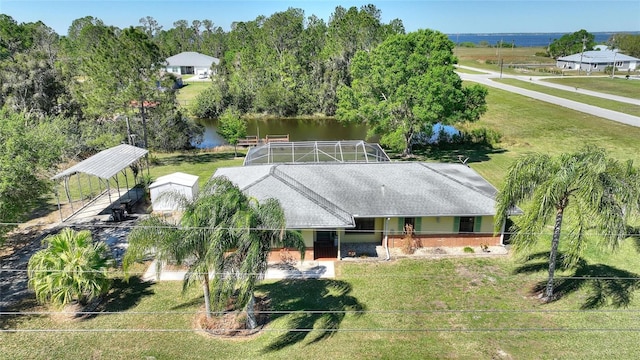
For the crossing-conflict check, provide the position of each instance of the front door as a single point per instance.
(324, 245)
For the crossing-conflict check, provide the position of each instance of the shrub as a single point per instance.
(71, 268)
(410, 243)
(480, 136)
(468, 249)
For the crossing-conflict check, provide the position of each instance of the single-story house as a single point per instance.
(191, 62)
(598, 60)
(178, 182)
(338, 207)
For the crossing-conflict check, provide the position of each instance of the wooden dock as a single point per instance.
(255, 141)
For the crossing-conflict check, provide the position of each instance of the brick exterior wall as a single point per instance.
(280, 255)
(452, 240)
(397, 241)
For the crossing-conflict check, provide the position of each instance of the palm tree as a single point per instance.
(200, 239)
(71, 268)
(221, 231)
(263, 228)
(598, 193)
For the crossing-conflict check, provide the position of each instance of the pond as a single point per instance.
(297, 129)
(304, 130)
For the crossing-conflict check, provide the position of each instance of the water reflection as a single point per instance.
(297, 129)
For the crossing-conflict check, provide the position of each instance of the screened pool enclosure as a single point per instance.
(348, 151)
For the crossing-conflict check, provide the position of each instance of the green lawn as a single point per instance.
(572, 95)
(528, 125)
(419, 309)
(200, 163)
(189, 91)
(489, 59)
(617, 86)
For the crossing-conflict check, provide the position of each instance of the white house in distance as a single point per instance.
(178, 182)
(598, 60)
(191, 63)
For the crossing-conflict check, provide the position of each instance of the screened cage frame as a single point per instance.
(343, 151)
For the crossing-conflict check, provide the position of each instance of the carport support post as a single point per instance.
(118, 185)
(126, 181)
(58, 199)
(80, 188)
(68, 192)
(90, 187)
(339, 240)
(109, 191)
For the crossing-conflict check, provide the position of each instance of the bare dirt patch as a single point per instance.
(233, 324)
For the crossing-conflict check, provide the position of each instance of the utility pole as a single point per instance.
(500, 57)
(613, 69)
(584, 45)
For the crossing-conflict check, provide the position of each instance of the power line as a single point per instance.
(331, 330)
(205, 228)
(350, 276)
(359, 312)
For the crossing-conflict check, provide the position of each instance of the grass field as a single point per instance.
(200, 163)
(188, 93)
(572, 95)
(416, 309)
(617, 86)
(488, 59)
(528, 125)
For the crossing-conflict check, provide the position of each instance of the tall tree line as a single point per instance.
(105, 82)
(285, 64)
(68, 97)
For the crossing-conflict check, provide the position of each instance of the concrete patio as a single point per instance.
(276, 271)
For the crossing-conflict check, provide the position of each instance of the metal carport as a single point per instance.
(103, 165)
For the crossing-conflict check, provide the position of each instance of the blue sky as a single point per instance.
(453, 16)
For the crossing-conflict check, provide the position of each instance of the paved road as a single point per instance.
(486, 79)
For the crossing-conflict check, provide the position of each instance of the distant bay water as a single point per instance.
(525, 39)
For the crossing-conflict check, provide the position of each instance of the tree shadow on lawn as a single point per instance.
(327, 303)
(15, 313)
(122, 296)
(452, 153)
(195, 158)
(125, 294)
(611, 286)
(197, 301)
(634, 234)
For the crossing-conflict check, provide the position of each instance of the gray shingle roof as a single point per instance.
(106, 163)
(192, 58)
(330, 195)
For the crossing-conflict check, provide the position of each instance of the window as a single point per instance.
(466, 225)
(409, 221)
(363, 226)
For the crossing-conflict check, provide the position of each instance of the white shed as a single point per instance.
(182, 183)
